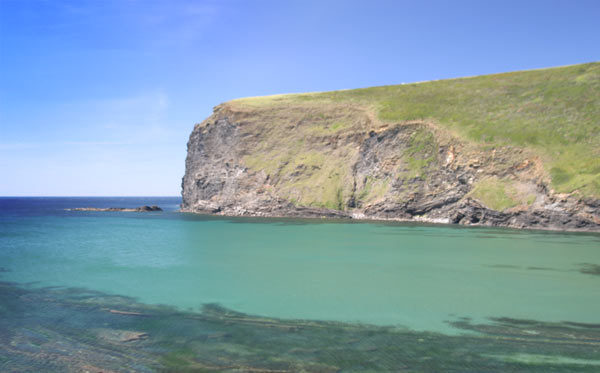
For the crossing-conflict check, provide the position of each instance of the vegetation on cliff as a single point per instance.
(519, 149)
(555, 113)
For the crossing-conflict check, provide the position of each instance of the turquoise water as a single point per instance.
(422, 278)
(166, 291)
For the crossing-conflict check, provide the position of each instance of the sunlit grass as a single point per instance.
(554, 112)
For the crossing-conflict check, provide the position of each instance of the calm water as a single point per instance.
(415, 277)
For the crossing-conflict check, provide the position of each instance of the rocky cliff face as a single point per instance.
(307, 159)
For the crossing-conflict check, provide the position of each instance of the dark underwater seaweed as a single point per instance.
(590, 269)
(55, 329)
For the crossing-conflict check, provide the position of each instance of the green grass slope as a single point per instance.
(553, 112)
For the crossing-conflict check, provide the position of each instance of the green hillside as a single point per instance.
(554, 113)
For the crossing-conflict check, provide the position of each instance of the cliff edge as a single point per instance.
(517, 150)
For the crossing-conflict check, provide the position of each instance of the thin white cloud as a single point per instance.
(141, 24)
(137, 119)
(19, 145)
(95, 143)
(139, 115)
(180, 23)
(33, 145)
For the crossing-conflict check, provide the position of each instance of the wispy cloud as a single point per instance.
(34, 145)
(180, 23)
(20, 145)
(140, 24)
(95, 143)
(137, 119)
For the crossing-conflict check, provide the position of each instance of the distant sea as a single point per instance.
(63, 273)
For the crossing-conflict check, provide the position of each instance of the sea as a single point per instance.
(171, 291)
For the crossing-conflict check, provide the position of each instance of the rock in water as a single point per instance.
(120, 209)
(148, 208)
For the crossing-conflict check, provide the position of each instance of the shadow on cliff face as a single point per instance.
(57, 329)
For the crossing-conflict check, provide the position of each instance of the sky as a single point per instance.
(98, 98)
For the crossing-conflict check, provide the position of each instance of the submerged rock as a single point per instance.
(58, 330)
(121, 336)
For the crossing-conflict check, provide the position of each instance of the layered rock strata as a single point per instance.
(305, 162)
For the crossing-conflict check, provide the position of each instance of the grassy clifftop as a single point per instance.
(553, 113)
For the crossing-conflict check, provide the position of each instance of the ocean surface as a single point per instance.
(248, 282)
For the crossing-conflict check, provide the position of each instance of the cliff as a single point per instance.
(518, 149)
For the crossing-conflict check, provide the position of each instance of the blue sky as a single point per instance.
(99, 97)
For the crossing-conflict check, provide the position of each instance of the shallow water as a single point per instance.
(417, 278)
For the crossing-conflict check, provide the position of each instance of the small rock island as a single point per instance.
(120, 209)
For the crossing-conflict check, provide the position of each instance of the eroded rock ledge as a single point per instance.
(290, 162)
(120, 209)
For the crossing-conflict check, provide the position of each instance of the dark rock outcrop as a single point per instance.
(121, 209)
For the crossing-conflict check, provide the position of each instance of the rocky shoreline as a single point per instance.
(471, 213)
